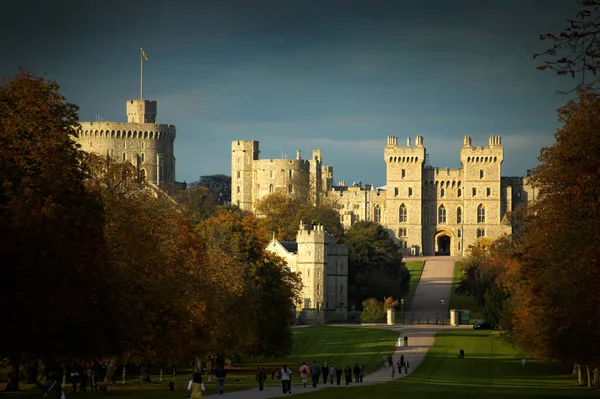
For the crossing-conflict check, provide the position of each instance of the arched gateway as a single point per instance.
(442, 240)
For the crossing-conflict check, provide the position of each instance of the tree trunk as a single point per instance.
(574, 369)
(589, 376)
(596, 377)
(64, 376)
(579, 376)
(111, 370)
(13, 375)
(174, 373)
(124, 374)
(160, 378)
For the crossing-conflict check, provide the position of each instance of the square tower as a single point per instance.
(141, 111)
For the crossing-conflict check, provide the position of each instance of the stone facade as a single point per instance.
(427, 210)
(143, 142)
(323, 268)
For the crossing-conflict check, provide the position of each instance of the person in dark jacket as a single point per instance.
(261, 377)
(356, 371)
(220, 373)
(314, 373)
(338, 375)
(51, 388)
(362, 372)
(324, 372)
(348, 374)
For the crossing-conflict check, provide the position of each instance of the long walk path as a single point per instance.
(435, 284)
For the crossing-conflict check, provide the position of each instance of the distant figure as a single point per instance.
(390, 361)
(74, 379)
(356, 371)
(220, 373)
(523, 362)
(399, 366)
(304, 372)
(406, 366)
(273, 372)
(385, 362)
(314, 373)
(324, 372)
(392, 371)
(331, 373)
(338, 375)
(261, 377)
(362, 372)
(286, 379)
(196, 386)
(406, 340)
(348, 374)
(461, 354)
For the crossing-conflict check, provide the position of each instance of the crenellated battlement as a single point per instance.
(121, 130)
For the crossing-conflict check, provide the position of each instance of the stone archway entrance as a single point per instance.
(443, 243)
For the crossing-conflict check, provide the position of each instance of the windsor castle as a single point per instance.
(428, 210)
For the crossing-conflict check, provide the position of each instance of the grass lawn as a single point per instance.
(416, 269)
(491, 369)
(334, 345)
(462, 301)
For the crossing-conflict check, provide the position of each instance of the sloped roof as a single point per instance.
(290, 246)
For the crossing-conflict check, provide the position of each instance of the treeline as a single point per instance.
(542, 285)
(98, 267)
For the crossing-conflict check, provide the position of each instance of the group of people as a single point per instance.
(400, 364)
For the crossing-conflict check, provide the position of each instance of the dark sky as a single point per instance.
(334, 75)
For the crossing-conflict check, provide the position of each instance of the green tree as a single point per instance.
(375, 264)
(51, 243)
(197, 203)
(372, 311)
(219, 185)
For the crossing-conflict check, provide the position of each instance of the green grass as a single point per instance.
(462, 301)
(416, 269)
(491, 369)
(334, 345)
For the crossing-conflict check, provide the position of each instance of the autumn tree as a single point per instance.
(219, 185)
(575, 50)
(555, 284)
(52, 250)
(375, 264)
(198, 203)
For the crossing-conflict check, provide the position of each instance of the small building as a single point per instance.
(323, 268)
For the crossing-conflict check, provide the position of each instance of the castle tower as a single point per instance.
(243, 153)
(316, 171)
(482, 188)
(404, 173)
(311, 264)
(141, 141)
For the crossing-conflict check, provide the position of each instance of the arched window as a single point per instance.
(458, 215)
(442, 214)
(377, 216)
(403, 214)
(238, 189)
(442, 193)
(459, 192)
(480, 214)
(270, 188)
(426, 215)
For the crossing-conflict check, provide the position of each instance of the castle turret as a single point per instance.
(243, 153)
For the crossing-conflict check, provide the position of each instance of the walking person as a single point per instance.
(406, 366)
(331, 373)
(338, 375)
(286, 379)
(348, 374)
(399, 366)
(196, 386)
(362, 372)
(405, 340)
(392, 371)
(402, 364)
(220, 373)
(325, 372)
(74, 379)
(314, 373)
(261, 377)
(304, 371)
(523, 362)
(391, 361)
(356, 371)
(273, 372)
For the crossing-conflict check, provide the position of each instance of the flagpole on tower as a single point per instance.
(141, 74)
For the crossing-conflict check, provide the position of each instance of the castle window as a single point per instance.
(459, 233)
(377, 216)
(239, 174)
(271, 174)
(488, 191)
(426, 192)
(481, 174)
(403, 173)
(271, 188)
(442, 214)
(143, 157)
(480, 233)
(459, 192)
(238, 189)
(290, 174)
(442, 193)
(402, 233)
(474, 191)
(459, 245)
(480, 214)
(124, 156)
(459, 215)
(396, 192)
(426, 215)
(403, 214)
(410, 192)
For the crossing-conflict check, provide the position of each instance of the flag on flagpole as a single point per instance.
(144, 55)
